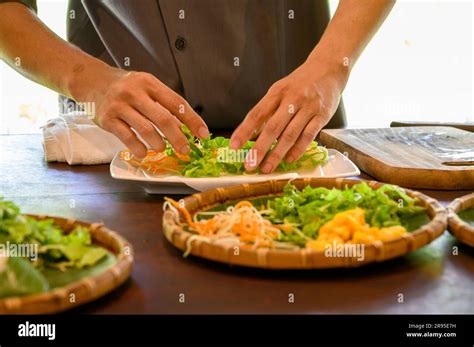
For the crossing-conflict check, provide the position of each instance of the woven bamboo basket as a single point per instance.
(459, 228)
(84, 290)
(304, 258)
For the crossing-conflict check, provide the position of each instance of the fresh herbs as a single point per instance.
(55, 247)
(307, 218)
(39, 245)
(310, 207)
(19, 277)
(213, 157)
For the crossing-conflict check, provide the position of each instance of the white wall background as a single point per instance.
(418, 67)
(25, 105)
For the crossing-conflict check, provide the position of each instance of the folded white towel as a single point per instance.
(77, 140)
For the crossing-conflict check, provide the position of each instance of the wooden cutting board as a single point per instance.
(412, 157)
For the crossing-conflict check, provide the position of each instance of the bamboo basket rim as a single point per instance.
(457, 226)
(86, 289)
(303, 258)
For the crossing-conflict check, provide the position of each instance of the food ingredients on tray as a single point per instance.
(19, 277)
(350, 227)
(213, 157)
(311, 218)
(30, 248)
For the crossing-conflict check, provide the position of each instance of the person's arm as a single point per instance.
(122, 99)
(297, 107)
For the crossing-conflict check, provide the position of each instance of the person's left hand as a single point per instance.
(293, 111)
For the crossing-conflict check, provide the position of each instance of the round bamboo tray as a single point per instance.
(459, 228)
(84, 290)
(304, 258)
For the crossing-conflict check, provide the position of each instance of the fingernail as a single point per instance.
(185, 149)
(249, 166)
(235, 144)
(203, 132)
(267, 168)
(290, 159)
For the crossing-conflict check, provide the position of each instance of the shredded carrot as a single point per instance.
(155, 162)
(237, 227)
(183, 157)
(183, 210)
(243, 203)
(241, 221)
(283, 227)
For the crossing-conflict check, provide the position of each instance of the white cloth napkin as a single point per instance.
(77, 140)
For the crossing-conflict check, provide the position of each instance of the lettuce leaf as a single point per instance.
(55, 247)
(205, 161)
(19, 277)
(312, 207)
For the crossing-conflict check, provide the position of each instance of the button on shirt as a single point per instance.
(221, 55)
(180, 43)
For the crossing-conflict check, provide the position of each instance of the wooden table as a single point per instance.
(432, 280)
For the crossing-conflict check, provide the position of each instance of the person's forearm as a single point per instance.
(122, 100)
(299, 105)
(348, 33)
(29, 47)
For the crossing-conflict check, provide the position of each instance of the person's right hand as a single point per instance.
(140, 101)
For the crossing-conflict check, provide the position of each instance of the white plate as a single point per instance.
(337, 165)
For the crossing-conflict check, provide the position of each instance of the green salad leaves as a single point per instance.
(213, 157)
(19, 277)
(55, 247)
(39, 245)
(311, 207)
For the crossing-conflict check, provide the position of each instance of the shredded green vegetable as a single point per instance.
(55, 247)
(310, 208)
(206, 162)
(55, 252)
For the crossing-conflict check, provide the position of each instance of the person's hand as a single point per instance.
(138, 100)
(293, 111)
